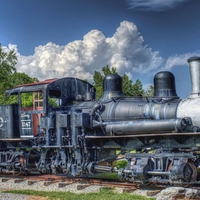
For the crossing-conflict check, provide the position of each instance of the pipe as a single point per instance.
(145, 126)
(153, 173)
(99, 168)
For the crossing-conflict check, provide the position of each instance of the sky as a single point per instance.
(75, 38)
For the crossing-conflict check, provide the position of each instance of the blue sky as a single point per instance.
(55, 38)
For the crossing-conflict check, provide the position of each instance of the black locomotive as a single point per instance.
(67, 131)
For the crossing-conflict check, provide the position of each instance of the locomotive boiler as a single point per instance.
(68, 131)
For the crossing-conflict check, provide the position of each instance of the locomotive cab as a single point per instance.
(44, 98)
(31, 106)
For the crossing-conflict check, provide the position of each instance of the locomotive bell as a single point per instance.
(194, 67)
(164, 85)
(112, 87)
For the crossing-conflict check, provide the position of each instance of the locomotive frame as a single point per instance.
(68, 131)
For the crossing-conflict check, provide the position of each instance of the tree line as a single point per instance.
(130, 89)
(10, 78)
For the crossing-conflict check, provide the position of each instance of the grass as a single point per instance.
(106, 175)
(104, 194)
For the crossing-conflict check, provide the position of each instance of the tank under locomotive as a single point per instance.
(67, 131)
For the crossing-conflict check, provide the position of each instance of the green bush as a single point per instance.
(120, 164)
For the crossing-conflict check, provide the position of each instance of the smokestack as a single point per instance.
(194, 66)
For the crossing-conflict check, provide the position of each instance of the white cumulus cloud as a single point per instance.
(154, 4)
(179, 60)
(125, 50)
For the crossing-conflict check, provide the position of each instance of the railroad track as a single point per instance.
(63, 181)
(73, 184)
(76, 185)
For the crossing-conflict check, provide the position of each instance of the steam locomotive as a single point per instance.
(67, 131)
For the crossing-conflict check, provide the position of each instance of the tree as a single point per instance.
(10, 77)
(106, 70)
(21, 78)
(149, 92)
(127, 86)
(18, 78)
(98, 83)
(129, 89)
(8, 60)
(137, 88)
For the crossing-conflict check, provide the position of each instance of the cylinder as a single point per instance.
(146, 126)
(194, 67)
